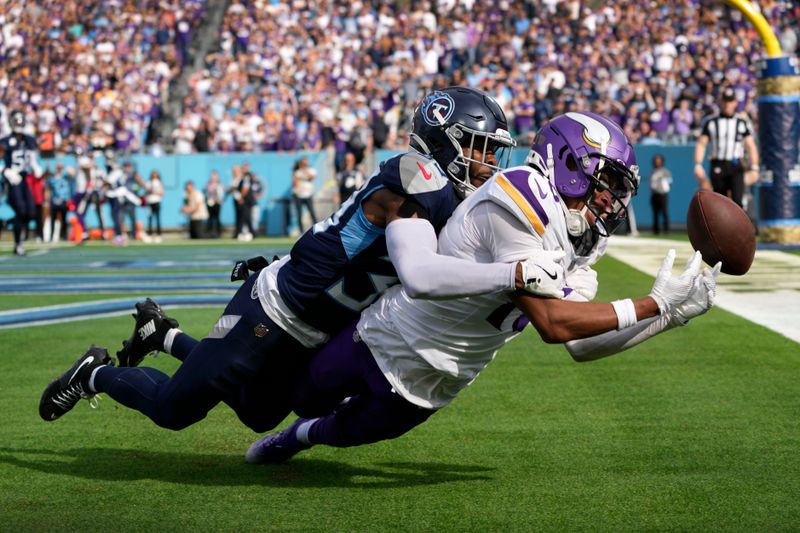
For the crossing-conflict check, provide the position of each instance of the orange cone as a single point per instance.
(139, 230)
(76, 231)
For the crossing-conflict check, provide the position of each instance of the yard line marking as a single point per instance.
(767, 295)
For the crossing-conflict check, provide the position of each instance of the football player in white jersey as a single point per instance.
(407, 358)
(282, 314)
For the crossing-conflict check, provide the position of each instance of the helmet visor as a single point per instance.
(621, 183)
(492, 150)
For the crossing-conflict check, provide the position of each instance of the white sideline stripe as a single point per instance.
(64, 306)
(105, 314)
(223, 326)
(769, 294)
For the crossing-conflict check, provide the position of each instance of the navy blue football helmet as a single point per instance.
(449, 120)
(17, 121)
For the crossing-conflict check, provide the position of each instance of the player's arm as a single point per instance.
(560, 321)
(699, 302)
(412, 245)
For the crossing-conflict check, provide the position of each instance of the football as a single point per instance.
(721, 231)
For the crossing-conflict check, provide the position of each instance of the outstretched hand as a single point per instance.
(669, 291)
(700, 300)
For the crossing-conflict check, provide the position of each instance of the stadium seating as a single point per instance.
(287, 75)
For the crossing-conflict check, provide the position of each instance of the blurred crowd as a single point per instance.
(298, 74)
(92, 74)
(290, 75)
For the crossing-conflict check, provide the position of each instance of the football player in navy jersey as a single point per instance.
(20, 158)
(407, 358)
(383, 234)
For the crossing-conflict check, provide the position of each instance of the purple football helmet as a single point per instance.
(583, 153)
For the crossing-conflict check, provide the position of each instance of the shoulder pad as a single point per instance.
(525, 193)
(420, 174)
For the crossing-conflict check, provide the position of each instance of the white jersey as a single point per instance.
(431, 349)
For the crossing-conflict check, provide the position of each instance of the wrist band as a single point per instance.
(626, 313)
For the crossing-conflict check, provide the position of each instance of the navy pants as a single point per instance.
(727, 178)
(247, 362)
(21, 202)
(345, 368)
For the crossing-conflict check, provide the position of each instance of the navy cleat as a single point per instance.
(63, 393)
(151, 326)
(276, 447)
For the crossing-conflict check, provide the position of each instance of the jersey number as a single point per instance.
(379, 284)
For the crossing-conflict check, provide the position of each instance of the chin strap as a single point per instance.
(577, 224)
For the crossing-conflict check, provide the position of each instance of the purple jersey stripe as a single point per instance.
(519, 179)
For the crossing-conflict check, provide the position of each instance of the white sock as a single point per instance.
(91, 379)
(302, 431)
(169, 338)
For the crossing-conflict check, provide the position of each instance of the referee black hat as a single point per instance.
(728, 94)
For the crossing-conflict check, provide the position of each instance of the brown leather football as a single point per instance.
(721, 231)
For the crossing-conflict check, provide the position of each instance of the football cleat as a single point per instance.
(276, 447)
(151, 326)
(64, 392)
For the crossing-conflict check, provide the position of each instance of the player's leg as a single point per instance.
(265, 400)
(231, 356)
(98, 206)
(343, 368)
(81, 206)
(173, 403)
(179, 344)
(14, 202)
(377, 414)
(21, 202)
(331, 375)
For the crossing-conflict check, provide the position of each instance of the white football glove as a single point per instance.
(669, 291)
(700, 300)
(13, 176)
(583, 281)
(543, 275)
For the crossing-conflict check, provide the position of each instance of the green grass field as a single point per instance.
(696, 430)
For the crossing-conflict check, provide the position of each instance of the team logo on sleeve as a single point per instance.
(260, 330)
(438, 108)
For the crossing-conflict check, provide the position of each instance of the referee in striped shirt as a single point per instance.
(730, 136)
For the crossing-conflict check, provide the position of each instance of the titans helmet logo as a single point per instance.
(438, 108)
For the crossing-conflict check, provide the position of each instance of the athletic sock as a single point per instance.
(301, 433)
(90, 384)
(179, 344)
